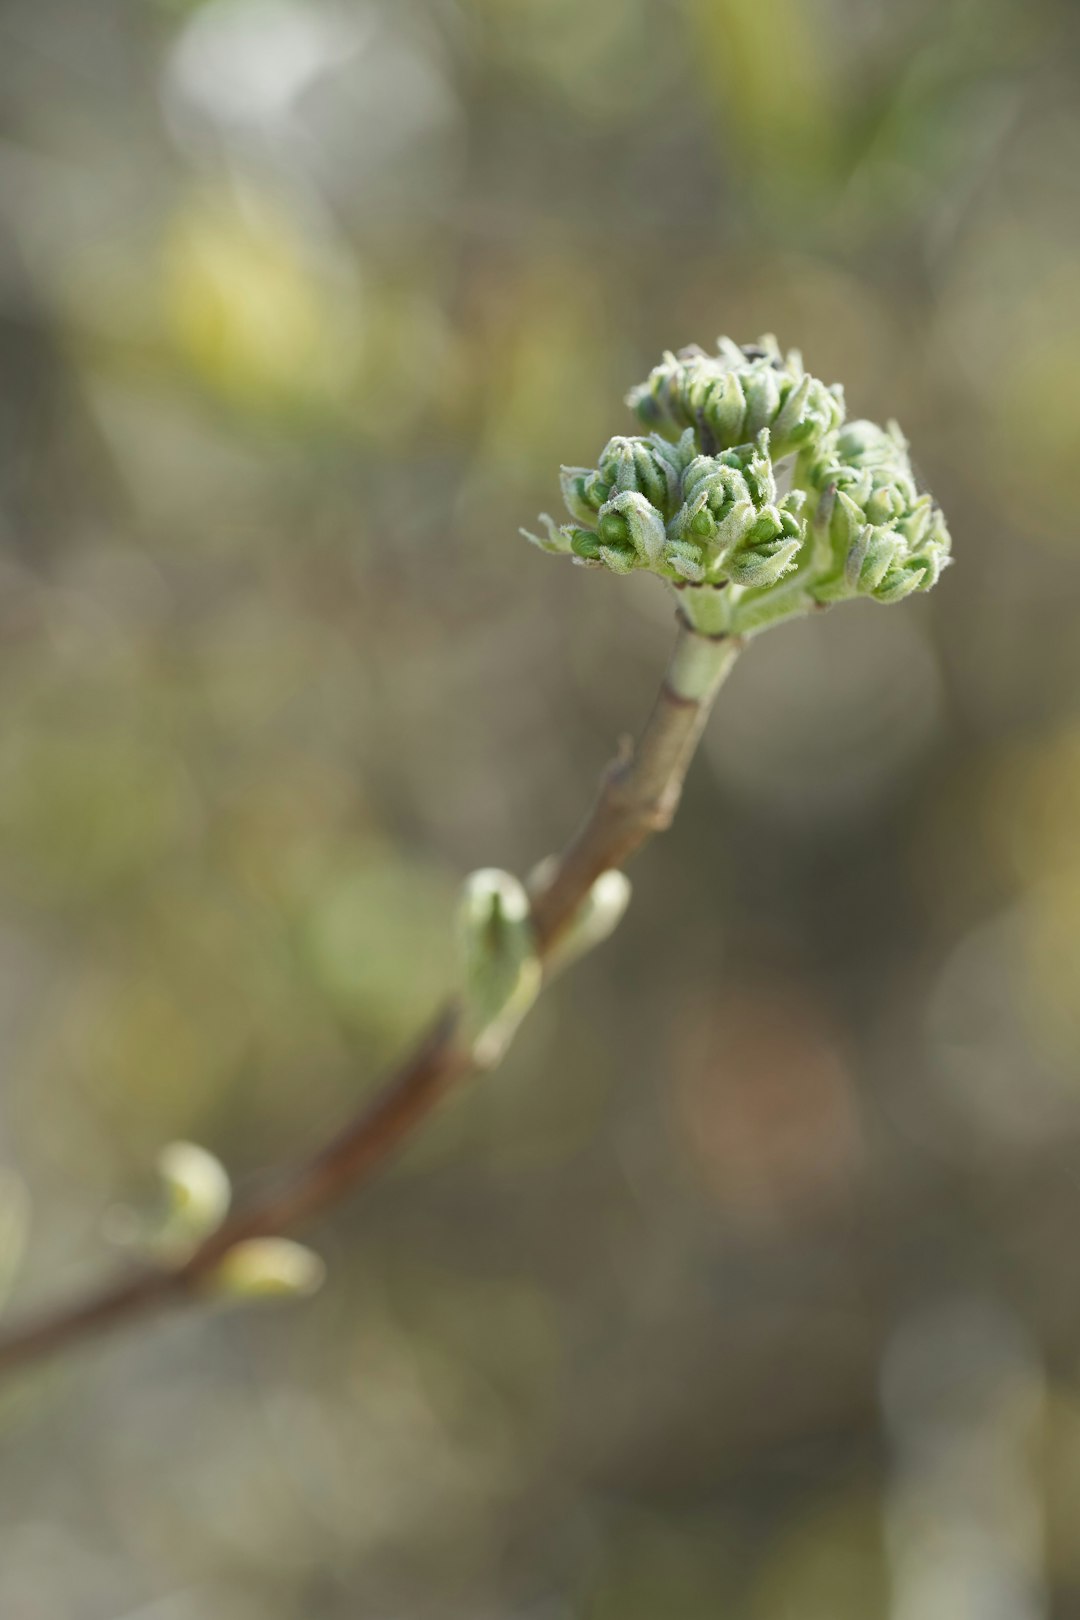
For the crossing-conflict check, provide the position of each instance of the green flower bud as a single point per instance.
(687, 560)
(629, 518)
(885, 504)
(806, 411)
(864, 444)
(846, 523)
(613, 528)
(718, 407)
(762, 390)
(584, 544)
(771, 544)
(870, 559)
(631, 466)
(899, 582)
(621, 559)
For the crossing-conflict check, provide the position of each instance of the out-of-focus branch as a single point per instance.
(639, 796)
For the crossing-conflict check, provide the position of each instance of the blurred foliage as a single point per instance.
(746, 1286)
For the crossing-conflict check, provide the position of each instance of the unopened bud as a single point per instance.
(266, 1268)
(501, 971)
(594, 921)
(196, 1186)
(193, 1199)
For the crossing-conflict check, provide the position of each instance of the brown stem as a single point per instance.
(638, 797)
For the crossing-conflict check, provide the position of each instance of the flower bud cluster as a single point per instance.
(884, 538)
(752, 485)
(732, 526)
(691, 518)
(728, 397)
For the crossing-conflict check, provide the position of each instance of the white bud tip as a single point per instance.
(610, 895)
(492, 887)
(268, 1268)
(196, 1185)
(597, 918)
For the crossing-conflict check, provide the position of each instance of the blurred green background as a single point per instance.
(749, 1287)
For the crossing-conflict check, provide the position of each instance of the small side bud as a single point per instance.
(196, 1185)
(193, 1200)
(584, 544)
(501, 971)
(628, 517)
(266, 1268)
(596, 919)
